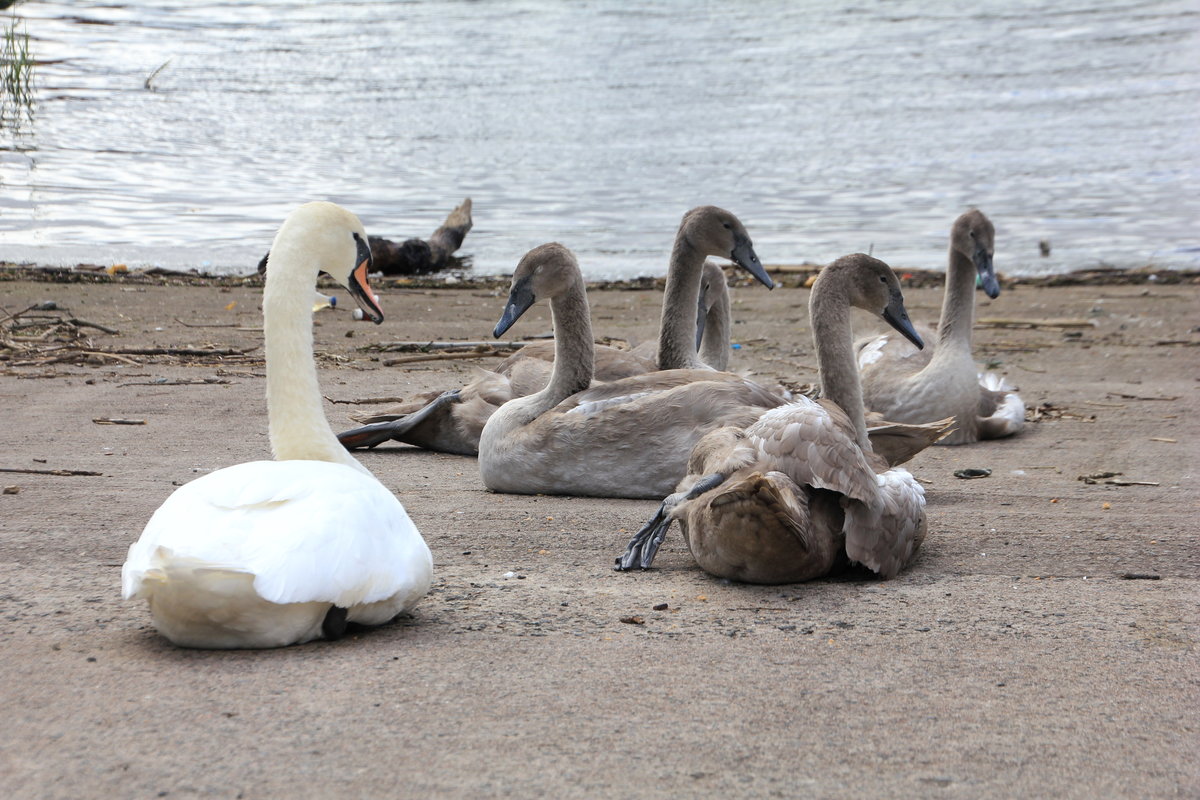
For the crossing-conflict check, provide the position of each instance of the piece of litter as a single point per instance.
(967, 474)
(633, 620)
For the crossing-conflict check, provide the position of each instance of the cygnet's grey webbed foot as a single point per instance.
(379, 432)
(643, 547)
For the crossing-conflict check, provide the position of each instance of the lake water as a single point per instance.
(827, 127)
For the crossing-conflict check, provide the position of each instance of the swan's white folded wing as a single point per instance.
(307, 530)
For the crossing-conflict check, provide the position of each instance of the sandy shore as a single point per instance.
(1044, 642)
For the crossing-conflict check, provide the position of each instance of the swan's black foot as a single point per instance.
(396, 430)
(643, 547)
(334, 626)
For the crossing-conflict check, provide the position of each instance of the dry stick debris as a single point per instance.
(40, 339)
(391, 362)
(185, 382)
(365, 401)
(206, 324)
(1050, 411)
(429, 347)
(1139, 397)
(1050, 324)
(1112, 479)
(64, 472)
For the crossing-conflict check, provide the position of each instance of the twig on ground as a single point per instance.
(427, 347)
(206, 324)
(365, 401)
(83, 323)
(391, 362)
(1003, 322)
(197, 382)
(1139, 397)
(51, 471)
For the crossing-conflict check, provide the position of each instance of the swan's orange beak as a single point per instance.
(360, 290)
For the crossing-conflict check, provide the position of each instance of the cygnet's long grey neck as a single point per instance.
(677, 328)
(829, 309)
(574, 351)
(958, 304)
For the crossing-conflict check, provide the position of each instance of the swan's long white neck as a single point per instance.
(677, 329)
(958, 304)
(829, 309)
(298, 427)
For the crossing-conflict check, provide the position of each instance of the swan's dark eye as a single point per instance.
(728, 227)
(882, 279)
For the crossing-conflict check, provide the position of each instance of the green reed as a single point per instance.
(16, 74)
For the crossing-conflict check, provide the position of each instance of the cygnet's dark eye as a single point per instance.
(882, 279)
(728, 227)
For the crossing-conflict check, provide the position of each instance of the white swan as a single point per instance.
(800, 491)
(628, 438)
(451, 422)
(909, 385)
(272, 553)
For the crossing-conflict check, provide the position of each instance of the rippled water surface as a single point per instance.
(826, 127)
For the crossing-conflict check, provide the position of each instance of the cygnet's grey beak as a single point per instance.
(744, 256)
(520, 298)
(987, 275)
(896, 315)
